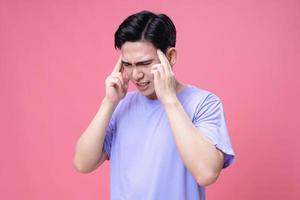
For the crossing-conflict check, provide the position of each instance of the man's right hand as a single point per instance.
(90, 154)
(116, 84)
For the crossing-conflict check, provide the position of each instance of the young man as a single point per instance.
(167, 140)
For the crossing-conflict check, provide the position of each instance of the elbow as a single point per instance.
(207, 179)
(79, 167)
(211, 174)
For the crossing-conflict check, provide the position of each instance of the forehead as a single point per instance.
(138, 51)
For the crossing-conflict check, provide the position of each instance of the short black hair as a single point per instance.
(147, 26)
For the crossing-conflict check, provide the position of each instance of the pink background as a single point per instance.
(55, 55)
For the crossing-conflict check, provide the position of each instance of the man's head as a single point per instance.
(147, 26)
(138, 37)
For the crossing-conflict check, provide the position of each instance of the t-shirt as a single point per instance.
(144, 161)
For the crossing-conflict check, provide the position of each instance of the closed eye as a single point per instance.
(126, 64)
(142, 63)
(145, 64)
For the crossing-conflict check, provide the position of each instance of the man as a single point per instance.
(168, 140)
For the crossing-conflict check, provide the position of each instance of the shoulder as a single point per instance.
(131, 98)
(198, 95)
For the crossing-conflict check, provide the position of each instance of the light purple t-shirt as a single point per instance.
(144, 161)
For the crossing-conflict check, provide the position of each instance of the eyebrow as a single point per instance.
(138, 63)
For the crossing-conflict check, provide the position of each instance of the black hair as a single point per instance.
(147, 26)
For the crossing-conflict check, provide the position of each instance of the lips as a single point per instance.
(142, 85)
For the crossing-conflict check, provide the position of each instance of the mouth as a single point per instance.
(142, 85)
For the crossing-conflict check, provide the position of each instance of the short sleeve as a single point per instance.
(109, 136)
(209, 118)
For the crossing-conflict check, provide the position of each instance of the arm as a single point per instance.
(89, 152)
(199, 155)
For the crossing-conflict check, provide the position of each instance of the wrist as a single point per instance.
(109, 103)
(170, 101)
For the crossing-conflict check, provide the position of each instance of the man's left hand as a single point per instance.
(164, 79)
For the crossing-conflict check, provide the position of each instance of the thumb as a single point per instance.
(126, 81)
(125, 77)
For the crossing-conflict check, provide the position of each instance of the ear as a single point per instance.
(171, 54)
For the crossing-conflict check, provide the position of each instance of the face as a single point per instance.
(137, 59)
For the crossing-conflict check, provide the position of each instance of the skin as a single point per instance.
(140, 62)
(138, 58)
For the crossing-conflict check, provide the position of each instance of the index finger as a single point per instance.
(118, 66)
(163, 59)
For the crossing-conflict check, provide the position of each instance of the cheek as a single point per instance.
(128, 73)
(149, 75)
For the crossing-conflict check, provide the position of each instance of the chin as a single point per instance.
(149, 94)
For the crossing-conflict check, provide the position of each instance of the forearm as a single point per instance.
(199, 155)
(89, 146)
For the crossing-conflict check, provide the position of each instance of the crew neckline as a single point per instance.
(157, 101)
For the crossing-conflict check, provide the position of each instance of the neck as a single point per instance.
(179, 86)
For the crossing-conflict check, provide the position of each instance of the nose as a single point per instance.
(137, 74)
